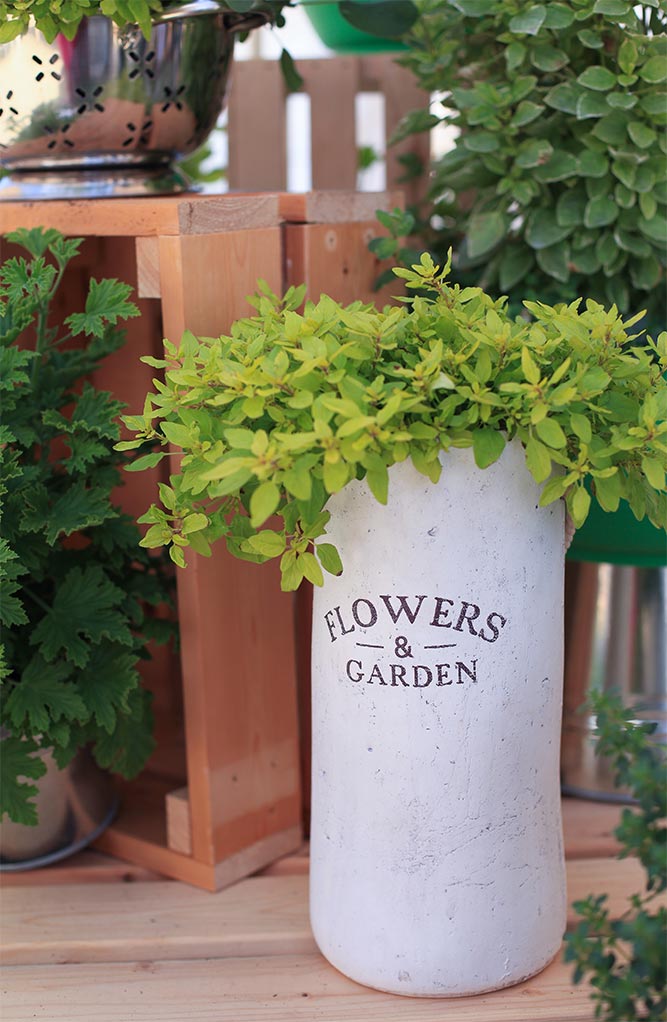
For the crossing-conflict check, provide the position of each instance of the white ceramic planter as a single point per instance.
(436, 849)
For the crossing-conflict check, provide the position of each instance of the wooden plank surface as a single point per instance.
(161, 215)
(343, 207)
(258, 916)
(587, 830)
(295, 988)
(86, 867)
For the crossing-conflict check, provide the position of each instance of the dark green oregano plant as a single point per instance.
(624, 959)
(290, 407)
(555, 182)
(74, 583)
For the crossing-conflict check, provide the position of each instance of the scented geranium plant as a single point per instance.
(286, 410)
(76, 591)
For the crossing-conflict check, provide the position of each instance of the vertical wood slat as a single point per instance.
(401, 95)
(332, 86)
(334, 258)
(237, 642)
(257, 127)
(257, 121)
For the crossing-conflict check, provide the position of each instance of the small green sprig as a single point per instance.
(290, 407)
(624, 958)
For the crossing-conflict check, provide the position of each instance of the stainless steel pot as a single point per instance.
(74, 806)
(616, 638)
(109, 111)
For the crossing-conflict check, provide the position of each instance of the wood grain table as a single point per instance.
(97, 940)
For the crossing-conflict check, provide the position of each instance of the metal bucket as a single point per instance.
(106, 113)
(616, 638)
(74, 806)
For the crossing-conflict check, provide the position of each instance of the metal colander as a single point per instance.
(112, 106)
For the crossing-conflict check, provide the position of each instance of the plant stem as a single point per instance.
(37, 599)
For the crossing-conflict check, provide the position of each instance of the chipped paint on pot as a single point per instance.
(436, 850)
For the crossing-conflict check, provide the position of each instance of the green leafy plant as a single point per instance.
(74, 583)
(387, 18)
(624, 958)
(290, 407)
(555, 182)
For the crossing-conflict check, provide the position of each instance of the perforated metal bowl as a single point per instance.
(109, 111)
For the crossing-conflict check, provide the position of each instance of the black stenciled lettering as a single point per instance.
(502, 621)
(440, 613)
(404, 608)
(443, 674)
(361, 670)
(461, 668)
(372, 613)
(345, 631)
(330, 625)
(428, 672)
(398, 674)
(377, 674)
(466, 616)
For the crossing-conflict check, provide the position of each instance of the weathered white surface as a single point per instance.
(436, 849)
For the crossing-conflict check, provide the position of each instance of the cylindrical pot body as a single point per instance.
(113, 99)
(436, 845)
(74, 805)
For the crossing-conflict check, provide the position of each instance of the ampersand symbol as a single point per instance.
(402, 649)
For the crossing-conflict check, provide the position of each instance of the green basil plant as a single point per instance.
(272, 419)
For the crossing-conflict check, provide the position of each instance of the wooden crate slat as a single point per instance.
(204, 280)
(132, 218)
(293, 988)
(333, 259)
(237, 637)
(258, 916)
(328, 207)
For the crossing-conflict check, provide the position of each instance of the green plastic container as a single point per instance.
(342, 37)
(618, 538)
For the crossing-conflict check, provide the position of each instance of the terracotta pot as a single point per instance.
(74, 806)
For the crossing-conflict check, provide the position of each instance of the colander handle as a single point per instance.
(234, 21)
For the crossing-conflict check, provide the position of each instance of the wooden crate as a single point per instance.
(222, 796)
(257, 126)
